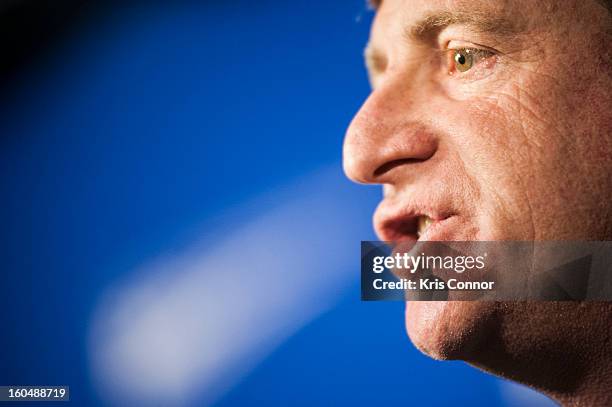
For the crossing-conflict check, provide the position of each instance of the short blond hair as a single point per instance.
(374, 3)
(606, 3)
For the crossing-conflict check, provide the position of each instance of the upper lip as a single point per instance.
(396, 218)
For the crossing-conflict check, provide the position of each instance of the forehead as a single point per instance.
(396, 17)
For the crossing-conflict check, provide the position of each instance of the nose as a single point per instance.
(388, 139)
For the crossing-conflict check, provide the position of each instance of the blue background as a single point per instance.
(135, 131)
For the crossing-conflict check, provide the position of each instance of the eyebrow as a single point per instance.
(480, 20)
(427, 28)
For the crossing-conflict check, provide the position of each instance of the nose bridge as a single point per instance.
(386, 131)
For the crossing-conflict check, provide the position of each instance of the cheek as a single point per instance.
(525, 159)
(544, 148)
(493, 154)
(528, 161)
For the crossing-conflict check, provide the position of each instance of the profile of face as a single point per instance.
(491, 120)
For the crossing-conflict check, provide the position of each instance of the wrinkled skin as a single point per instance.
(518, 147)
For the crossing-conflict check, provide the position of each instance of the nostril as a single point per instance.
(388, 166)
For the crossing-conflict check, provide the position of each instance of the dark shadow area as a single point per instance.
(29, 28)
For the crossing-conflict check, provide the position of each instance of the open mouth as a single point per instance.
(413, 218)
(413, 228)
(423, 224)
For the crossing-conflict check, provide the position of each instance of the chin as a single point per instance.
(449, 330)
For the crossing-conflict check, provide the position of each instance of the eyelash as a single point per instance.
(478, 57)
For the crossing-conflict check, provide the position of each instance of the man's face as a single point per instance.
(488, 120)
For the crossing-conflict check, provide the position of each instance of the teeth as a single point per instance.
(423, 223)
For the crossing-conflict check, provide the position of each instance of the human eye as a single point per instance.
(470, 62)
